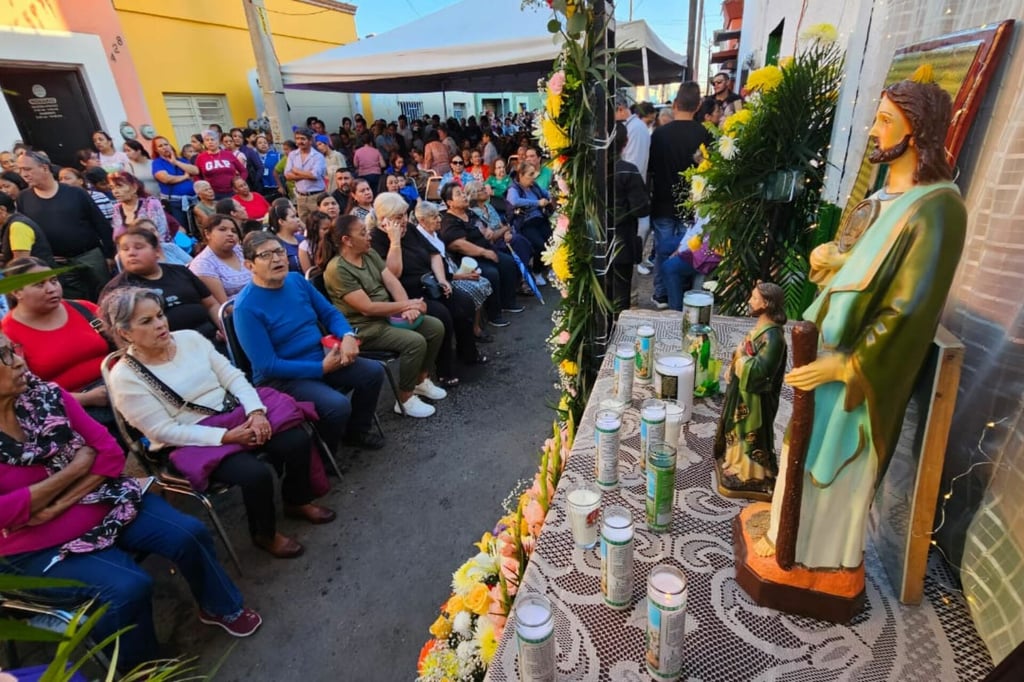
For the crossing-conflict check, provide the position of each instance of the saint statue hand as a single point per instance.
(825, 261)
(821, 371)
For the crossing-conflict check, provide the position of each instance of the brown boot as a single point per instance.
(280, 546)
(313, 513)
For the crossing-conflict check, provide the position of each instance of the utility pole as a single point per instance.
(268, 70)
(691, 41)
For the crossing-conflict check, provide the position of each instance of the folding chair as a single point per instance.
(156, 464)
(384, 357)
(43, 612)
(240, 360)
(433, 189)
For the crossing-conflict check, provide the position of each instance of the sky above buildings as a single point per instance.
(666, 17)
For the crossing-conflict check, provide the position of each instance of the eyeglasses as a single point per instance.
(271, 254)
(457, 162)
(7, 353)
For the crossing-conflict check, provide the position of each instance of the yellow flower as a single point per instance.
(454, 605)
(487, 640)
(485, 542)
(479, 599)
(698, 186)
(560, 263)
(704, 151)
(462, 581)
(704, 166)
(823, 33)
(570, 368)
(553, 135)
(740, 118)
(764, 79)
(695, 242)
(563, 404)
(441, 628)
(785, 62)
(554, 104)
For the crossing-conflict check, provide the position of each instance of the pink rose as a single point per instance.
(557, 83)
(561, 225)
(499, 623)
(563, 186)
(563, 338)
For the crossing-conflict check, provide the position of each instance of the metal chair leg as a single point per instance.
(376, 421)
(394, 385)
(324, 449)
(220, 531)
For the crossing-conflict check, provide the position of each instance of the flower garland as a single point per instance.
(466, 633)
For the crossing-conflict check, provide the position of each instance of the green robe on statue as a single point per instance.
(880, 311)
(745, 441)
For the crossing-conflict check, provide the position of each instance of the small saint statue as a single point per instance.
(745, 442)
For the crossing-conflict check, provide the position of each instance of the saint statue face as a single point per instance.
(757, 303)
(891, 133)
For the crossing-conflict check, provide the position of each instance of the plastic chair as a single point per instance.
(157, 465)
(384, 357)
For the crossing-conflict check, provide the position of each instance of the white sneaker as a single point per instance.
(414, 407)
(643, 269)
(539, 279)
(428, 389)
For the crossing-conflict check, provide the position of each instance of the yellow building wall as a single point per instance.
(203, 46)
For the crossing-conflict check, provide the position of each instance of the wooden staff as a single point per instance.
(805, 350)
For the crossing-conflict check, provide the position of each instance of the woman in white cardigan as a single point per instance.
(173, 380)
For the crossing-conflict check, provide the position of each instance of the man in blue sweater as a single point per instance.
(278, 318)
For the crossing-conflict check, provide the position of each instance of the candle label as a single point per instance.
(537, 659)
(650, 431)
(606, 462)
(617, 572)
(666, 386)
(666, 632)
(623, 372)
(644, 354)
(661, 490)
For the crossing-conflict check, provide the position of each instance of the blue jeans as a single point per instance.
(338, 415)
(114, 578)
(667, 233)
(678, 278)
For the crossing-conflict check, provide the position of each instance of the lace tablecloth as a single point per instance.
(728, 637)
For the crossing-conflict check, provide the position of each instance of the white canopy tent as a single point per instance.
(507, 49)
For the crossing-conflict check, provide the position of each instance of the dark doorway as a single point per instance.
(52, 109)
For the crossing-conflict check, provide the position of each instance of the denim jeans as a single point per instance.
(114, 578)
(667, 233)
(338, 415)
(678, 277)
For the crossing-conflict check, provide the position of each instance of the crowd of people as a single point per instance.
(322, 249)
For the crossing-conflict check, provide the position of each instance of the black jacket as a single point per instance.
(631, 202)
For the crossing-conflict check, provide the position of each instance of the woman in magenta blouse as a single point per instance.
(67, 512)
(218, 166)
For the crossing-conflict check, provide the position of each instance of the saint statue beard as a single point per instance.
(882, 155)
(757, 312)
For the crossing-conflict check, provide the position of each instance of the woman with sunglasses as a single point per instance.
(458, 174)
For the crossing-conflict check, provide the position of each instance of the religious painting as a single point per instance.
(963, 64)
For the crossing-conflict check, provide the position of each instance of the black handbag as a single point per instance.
(431, 287)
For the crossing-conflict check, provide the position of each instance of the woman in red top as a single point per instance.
(256, 207)
(218, 166)
(59, 343)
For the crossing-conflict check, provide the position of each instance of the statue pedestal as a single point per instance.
(832, 595)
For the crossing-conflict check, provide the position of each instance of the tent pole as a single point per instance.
(647, 75)
(444, 101)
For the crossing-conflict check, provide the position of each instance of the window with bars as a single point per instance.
(411, 110)
(459, 110)
(192, 114)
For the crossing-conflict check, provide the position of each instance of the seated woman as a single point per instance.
(469, 283)
(360, 202)
(220, 264)
(397, 166)
(458, 174)
(477, 168)
(255, 206)
(530, 202)
(206, 205)
(462, 237)
(67, 512)
(170, 385)
(499, 181)
(189, 303)
(374, 301)
(60, 338)
(134, 203)
(413, 260)
(286, 226)
(318, 228)
(498, 233)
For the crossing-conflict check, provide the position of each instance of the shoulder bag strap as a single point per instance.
(164, 391)
(96, 324)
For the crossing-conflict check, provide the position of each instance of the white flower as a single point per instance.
(727, 147)
(463, 624)
(483, 565)
(698, 187)
(711, 285)
(753, 99)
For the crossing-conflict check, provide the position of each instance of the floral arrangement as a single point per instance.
(759, 184)
(467, 631)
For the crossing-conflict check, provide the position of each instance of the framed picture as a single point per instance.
(963, 64)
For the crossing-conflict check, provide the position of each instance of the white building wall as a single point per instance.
(41, 48)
